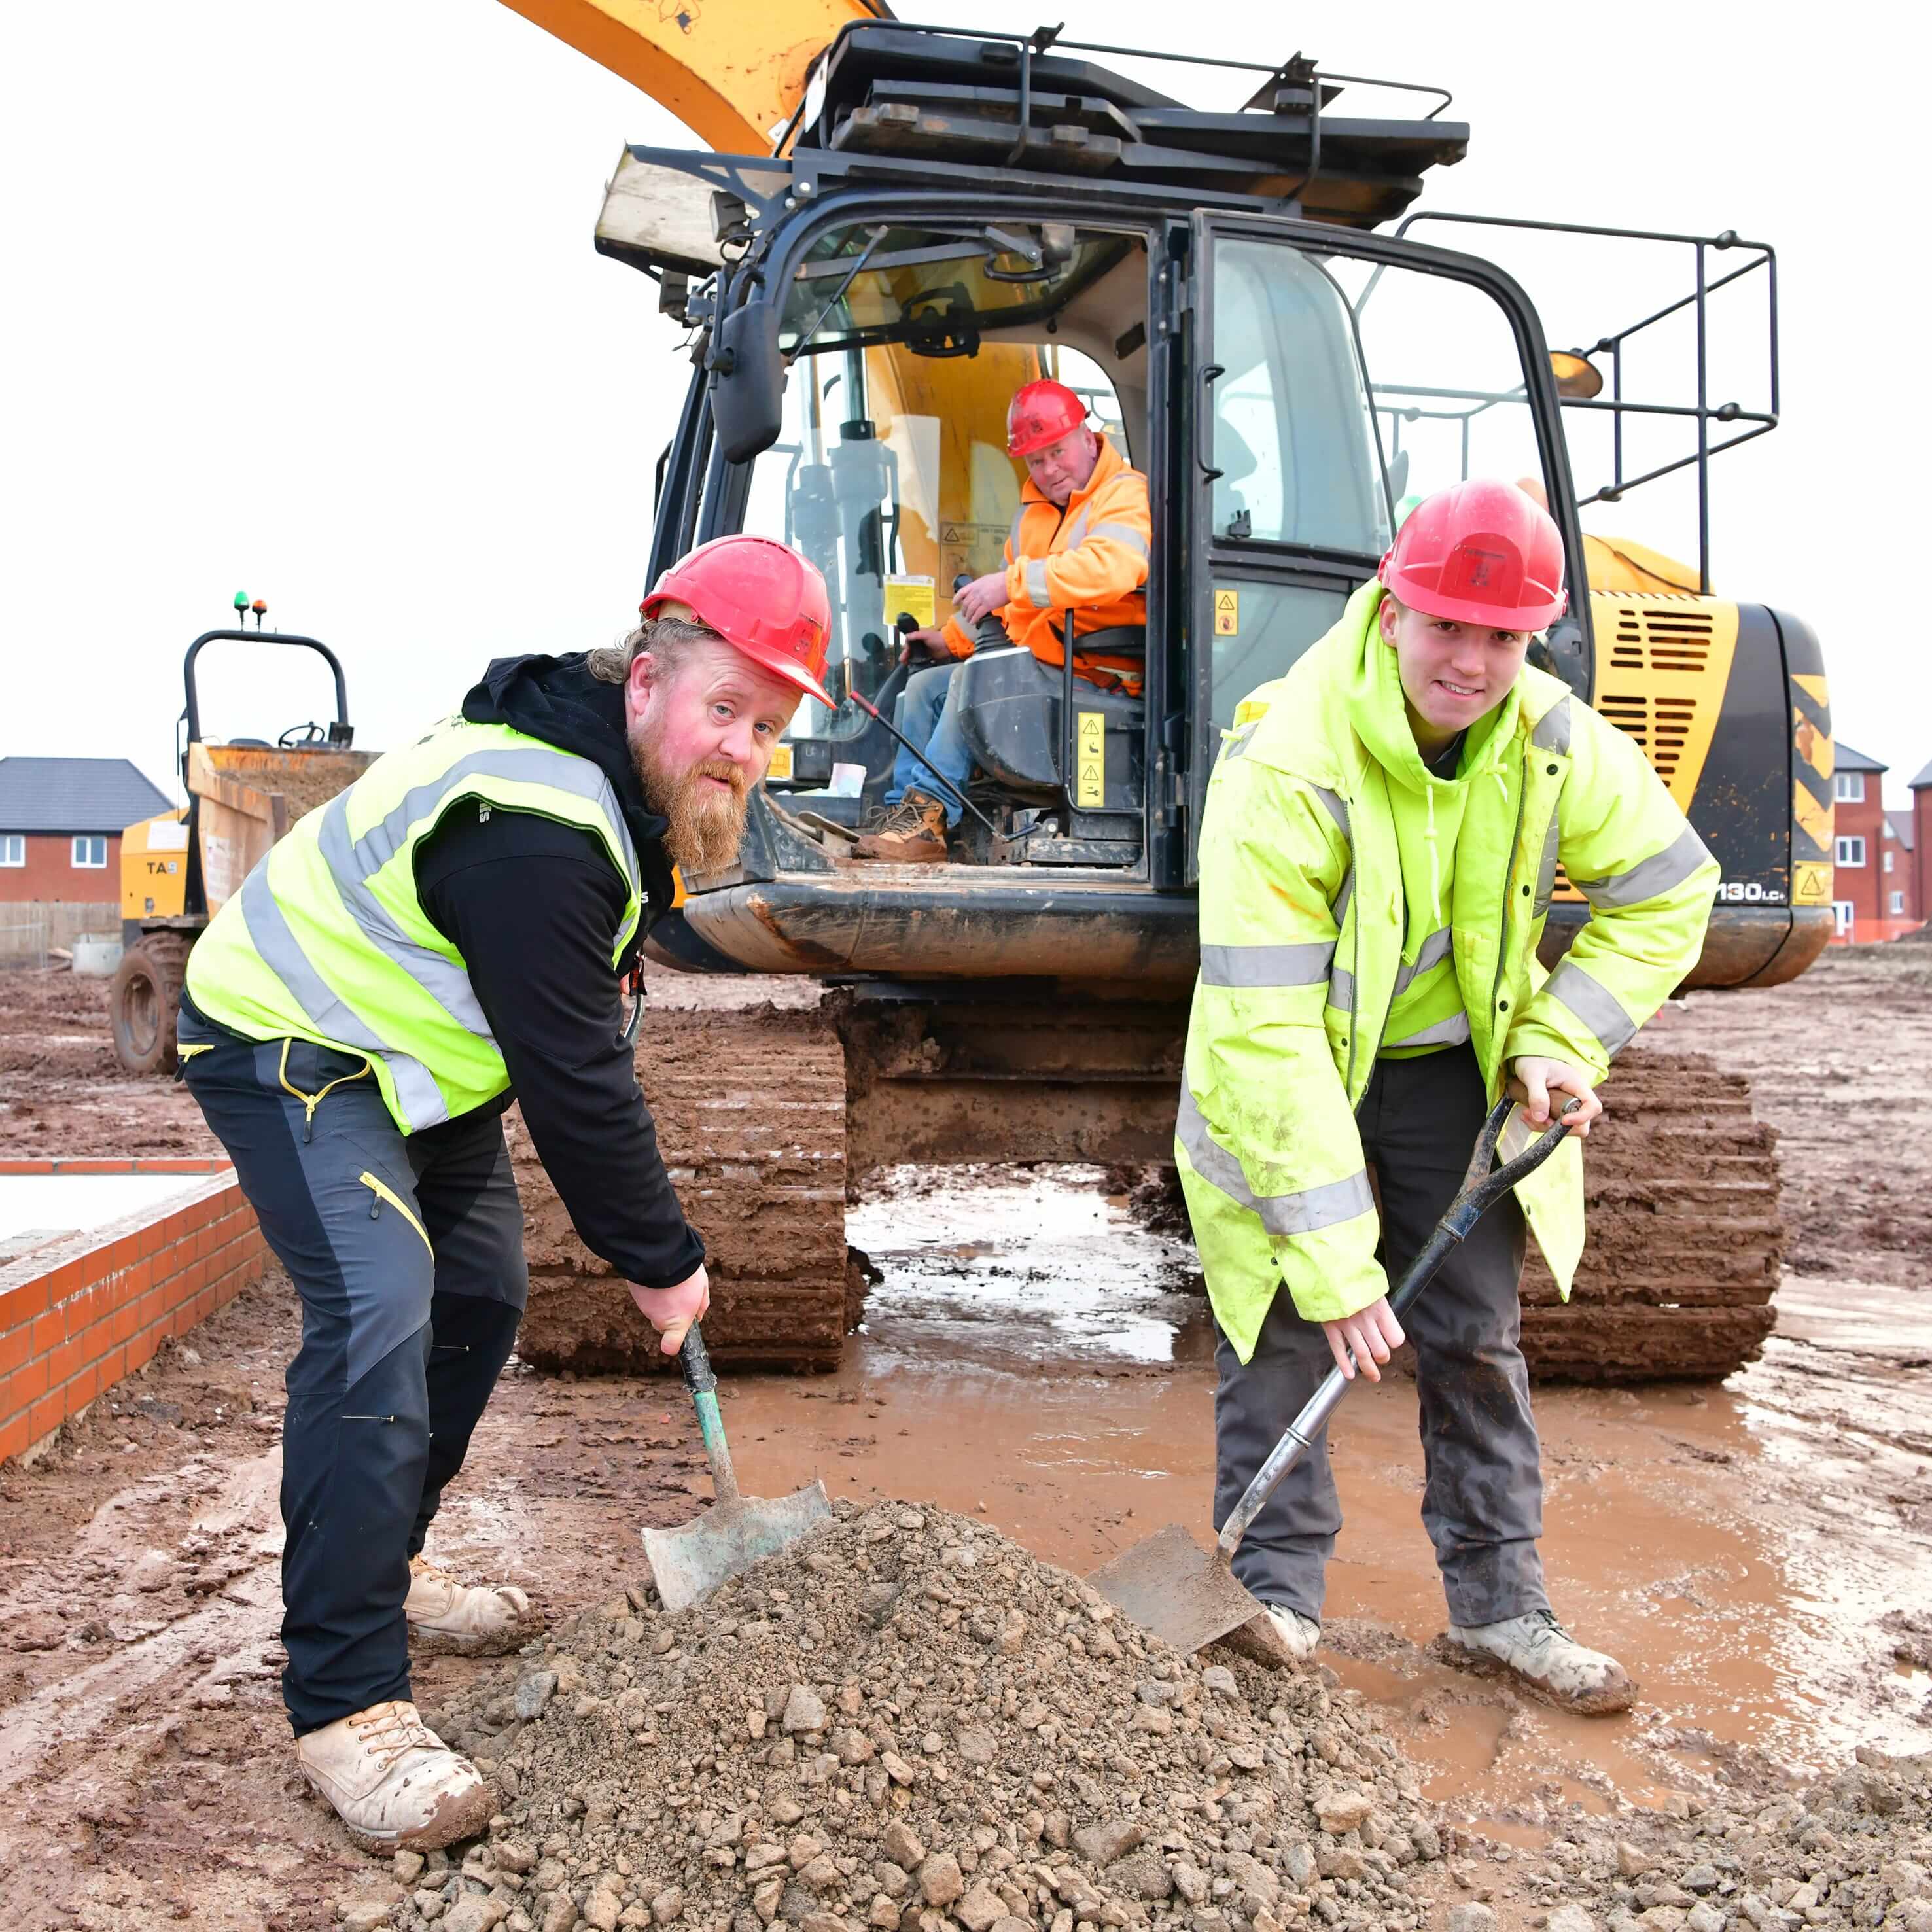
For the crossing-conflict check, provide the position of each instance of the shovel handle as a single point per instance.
(702, 1381)
(1481, 1190)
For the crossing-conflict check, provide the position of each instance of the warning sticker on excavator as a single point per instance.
(1811, 883)
(1090, 790)
(970, 549)
(1227, 614)
(780, 766)
(912, 597)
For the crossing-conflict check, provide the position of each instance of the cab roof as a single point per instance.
(953, 100)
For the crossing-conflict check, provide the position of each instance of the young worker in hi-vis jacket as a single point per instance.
(1382, 831)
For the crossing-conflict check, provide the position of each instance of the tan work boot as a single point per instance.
(1300, 1635)
(470, 1620)
(1539, 1655)
(912, 832)
(394, 1782)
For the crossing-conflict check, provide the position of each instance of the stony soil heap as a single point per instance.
(909, 1724)
(1853, 1850)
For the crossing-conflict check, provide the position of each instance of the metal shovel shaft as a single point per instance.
(1190, 1597)
(1480, 1192)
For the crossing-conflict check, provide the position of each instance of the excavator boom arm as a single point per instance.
(732, 73)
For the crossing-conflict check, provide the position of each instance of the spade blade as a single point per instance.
(689, 1562)
(1168, 1584)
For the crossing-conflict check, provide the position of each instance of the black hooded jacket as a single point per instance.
(534, 906)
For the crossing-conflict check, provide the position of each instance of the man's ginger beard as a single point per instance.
(706, 825)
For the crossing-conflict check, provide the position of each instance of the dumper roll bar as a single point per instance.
(341, 733)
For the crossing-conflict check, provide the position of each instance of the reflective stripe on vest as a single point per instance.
(328, 941)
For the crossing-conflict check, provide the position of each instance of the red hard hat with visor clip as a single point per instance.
(1479, 553)
(1041, 413)
(762, 598)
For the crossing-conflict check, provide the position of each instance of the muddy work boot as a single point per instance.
(1539, 1656)
(1299, 1634)
(912, 832)
(393, 1782)
(465, 1619)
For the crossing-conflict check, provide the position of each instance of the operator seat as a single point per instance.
(1009, 716)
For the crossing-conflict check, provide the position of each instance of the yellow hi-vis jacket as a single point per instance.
(328, 941)
(1301, 884)
(1090, 558)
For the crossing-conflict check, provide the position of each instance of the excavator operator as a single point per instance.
(443, 937)
(1079, 543)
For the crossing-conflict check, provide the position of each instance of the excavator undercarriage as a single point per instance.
(767, 1118)
(947, 213)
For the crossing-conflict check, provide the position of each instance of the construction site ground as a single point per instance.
(1758, 1552)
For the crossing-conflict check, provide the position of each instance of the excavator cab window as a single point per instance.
(906, 345)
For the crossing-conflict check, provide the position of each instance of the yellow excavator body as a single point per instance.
(733, 74)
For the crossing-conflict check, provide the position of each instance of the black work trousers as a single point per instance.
(408, 1255)
(1482, 1504)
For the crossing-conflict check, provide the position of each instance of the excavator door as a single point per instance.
(1336, 380)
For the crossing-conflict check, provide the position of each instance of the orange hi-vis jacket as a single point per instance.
(1090, 558)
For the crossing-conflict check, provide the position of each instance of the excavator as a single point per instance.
(892, 228)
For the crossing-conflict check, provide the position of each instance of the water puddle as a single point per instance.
(1033, 1355)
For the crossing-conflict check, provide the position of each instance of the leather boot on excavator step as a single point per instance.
(912, 832)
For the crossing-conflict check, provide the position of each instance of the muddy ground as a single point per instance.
(1838, 1063)
(1758, 1553)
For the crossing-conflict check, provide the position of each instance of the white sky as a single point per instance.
(304, 304)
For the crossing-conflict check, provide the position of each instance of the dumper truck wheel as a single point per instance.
(144, 1002)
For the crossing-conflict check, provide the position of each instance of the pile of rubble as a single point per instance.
(909, 1724)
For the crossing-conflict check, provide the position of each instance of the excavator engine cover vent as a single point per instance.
(1663, 677)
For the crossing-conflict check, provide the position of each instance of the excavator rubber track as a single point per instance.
(1686, 1242)
(750, 1109)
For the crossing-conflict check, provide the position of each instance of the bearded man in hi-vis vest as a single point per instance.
(448, 936)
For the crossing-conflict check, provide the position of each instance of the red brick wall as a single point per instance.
(1921, 849)
(78, 1316)
(1860, 884)
(1901, 879)
(51, 874)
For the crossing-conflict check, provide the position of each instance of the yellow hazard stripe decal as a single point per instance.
(1814, 820)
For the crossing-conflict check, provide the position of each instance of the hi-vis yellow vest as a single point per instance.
(327, 941)
(1302, 866)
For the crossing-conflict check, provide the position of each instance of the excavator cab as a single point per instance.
(950, 214)
(954, 214)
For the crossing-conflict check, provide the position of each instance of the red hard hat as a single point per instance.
(761, 597)
(1479, 553)
(1041, 413)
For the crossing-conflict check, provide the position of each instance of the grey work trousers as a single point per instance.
(1483, 1501)
(408, 1257)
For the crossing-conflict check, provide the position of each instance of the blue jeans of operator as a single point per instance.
(928, 714)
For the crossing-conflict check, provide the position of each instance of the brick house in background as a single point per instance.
(1857, 842)
(1897, 883)
(1921, 841)
(61, 822)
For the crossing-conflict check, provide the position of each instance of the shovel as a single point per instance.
(1166, 1582)
(737, 1530)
